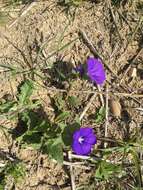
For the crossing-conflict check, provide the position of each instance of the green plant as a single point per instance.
(11, 169)
(100, 115)
(10, 109)
(106, 170)
(128, 165)
(33, 128)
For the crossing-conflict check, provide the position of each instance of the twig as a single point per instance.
(113, 17)
(132, 36)
(18, 49)
(96, 159)
(80, 157)
(128, 68)
(116, 48)
(101, 96)
(51, 90)
(124, 18)
(60, 49)
(93, 158)
(140, 110)
(2, 165)
(87, 106)
(6, 155)
(134, 33)
(23, 14)
(76, 165)
(12, 90)
(106, 116)
(72, 172)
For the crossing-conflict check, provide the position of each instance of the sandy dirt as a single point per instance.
(48, 23)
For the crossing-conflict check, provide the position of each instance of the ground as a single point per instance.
(115, 31)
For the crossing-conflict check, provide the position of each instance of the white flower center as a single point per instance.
(80, 140)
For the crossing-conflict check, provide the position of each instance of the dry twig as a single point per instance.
(100, 94)
(114, 19)
(87, 106)
(72, 172)
(106, 116)
(127, 70)
(132, 95)
(23, 13)
(93, 158)
(76, 165)
(132, 36)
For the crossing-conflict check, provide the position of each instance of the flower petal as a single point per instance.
(86, 148)
(85, 131)
(81, 149)
(99, 79)
(95, 70)
(77, 148)
(76, 135)
(90, 139)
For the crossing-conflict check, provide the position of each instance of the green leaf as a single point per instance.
(62, 48)
(68, 131)
(137, 165)
(32, 137)
(53, 147)
(59, 103)
(35, 128)
(62, 126)
(35, 146)
(7, 106)
(73, 101)
(100, 115)
(16, 170)
(1, 187)
(106, 170)
(61, 75)
(34, 122)
(62, 117)
(57, 153)
(26, 91)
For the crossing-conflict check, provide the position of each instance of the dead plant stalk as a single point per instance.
(106, 115)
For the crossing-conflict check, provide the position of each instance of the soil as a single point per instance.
(116, 40)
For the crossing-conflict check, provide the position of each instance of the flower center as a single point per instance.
(80, 140)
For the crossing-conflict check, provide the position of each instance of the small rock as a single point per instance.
(115, 108)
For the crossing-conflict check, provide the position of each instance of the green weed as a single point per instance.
(12, 169)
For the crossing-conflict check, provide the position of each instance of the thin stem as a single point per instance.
(87, 106)
(72, 172)
(106, 115)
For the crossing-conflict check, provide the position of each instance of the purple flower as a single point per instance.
(95, 70)
(83, 141)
